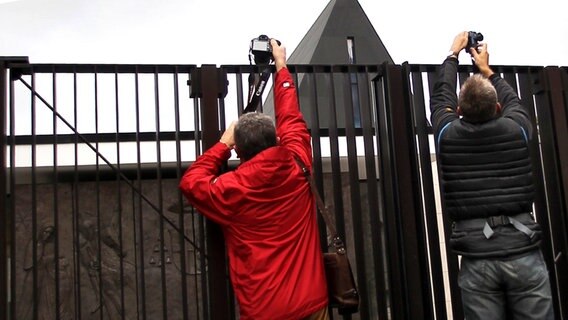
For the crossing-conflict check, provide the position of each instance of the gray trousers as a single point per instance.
(518, 288)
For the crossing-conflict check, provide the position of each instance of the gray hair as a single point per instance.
(477, 99)
(254, 132)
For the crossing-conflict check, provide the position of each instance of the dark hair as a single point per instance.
(254, 132)
(477, 99)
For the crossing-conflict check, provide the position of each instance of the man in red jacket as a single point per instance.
(266, 209)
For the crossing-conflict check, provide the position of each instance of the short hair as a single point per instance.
(477, 99)
(254, 132)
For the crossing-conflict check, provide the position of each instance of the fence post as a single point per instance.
(408, 265)
(552, 109)
(6, 304)
(211, 87)
(4, 231)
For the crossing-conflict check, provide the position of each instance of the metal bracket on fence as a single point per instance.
(195, 83)
(17, 65)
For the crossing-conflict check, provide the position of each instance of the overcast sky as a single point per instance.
(218, 31)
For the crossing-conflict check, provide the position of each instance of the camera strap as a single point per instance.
(257, 84)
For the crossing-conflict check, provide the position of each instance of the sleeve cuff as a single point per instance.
(452, 58)
(223, 149)
(493, 76)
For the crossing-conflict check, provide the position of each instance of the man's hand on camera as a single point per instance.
(460, 42)
(279, 54)
(228, 137)
(481, 59)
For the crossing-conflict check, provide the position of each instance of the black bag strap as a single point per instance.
(322, 208)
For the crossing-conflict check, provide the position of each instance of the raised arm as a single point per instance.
(290, 124)
(210, 193)
(444, 100)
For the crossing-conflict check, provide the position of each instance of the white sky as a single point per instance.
(218, 31)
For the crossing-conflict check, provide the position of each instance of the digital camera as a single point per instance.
(473, 39)
(261, 49)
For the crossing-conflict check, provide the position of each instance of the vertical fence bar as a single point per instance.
(119, 199)
(240, 96)
(200, 220)
(34, 201)
(55, 200)
(317, 171)
(310, 79)
(11, 212)
(373, 196)
(139, 216)
(75, 211)
(4, 220)
(337, 189)
(387, 305)
(99, 270)
(181, 216)
(335, 160)
(160, 195)
(356, 209)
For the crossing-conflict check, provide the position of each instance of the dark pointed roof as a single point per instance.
(326, 44)
(326, 41)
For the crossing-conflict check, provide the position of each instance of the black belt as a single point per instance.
(517, 221)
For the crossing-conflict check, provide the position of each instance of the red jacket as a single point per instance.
(268, 216)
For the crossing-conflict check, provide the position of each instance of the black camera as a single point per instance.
(473, 39)
(261, 49)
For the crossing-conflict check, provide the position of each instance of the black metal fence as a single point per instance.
(94, 226)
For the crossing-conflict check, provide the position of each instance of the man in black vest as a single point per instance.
(486, 182)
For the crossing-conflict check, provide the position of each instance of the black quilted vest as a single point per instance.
(486, 171)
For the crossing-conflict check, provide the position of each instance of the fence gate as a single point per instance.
(93, 225)
(417, 227)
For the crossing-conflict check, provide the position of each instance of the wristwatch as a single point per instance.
(452, 54)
